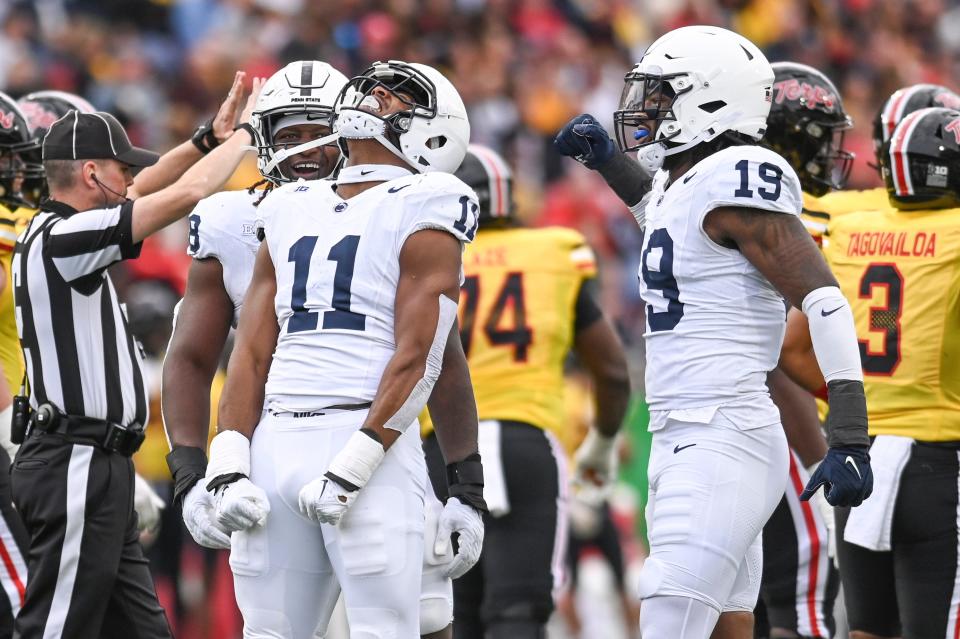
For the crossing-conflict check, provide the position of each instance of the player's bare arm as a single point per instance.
(797, 358)
(429, 269)
(781, 249)
(174, 162)
(452, 405)
(798, 414)
(242, 400)
(599, 349)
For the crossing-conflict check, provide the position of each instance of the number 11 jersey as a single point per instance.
(337, 267)
(714, 323)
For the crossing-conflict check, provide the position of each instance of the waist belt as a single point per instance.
(123, 440)
(328, 410)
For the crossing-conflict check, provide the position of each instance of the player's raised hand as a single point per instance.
(226, 118)
(255, 89)
(467, 522)
(586, 141)
(595, 462)
(199, 516)
(845, 475)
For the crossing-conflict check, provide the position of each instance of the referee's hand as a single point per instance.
(147, 504)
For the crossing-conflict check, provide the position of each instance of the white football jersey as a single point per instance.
(223, 226)
(714, 323)
(337, 267)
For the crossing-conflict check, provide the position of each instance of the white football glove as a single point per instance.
(819, 500)
(147, 503)
(325, 500)
(457, 517)
(198, 516)
(240, 505)
(595, 462)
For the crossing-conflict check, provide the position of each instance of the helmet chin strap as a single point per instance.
(283, 154)
(354, 124)
(650, 157)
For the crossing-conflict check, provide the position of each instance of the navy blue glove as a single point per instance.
(845, 475)
(583, 139)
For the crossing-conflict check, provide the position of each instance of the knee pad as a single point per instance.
(373, 623)
(265, 624)
(436, 613)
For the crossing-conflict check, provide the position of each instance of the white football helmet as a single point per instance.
(431, 135)
(306, 89)
(692, 85)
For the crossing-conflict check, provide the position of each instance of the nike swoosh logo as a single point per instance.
(688, 178)
(365, 172)
(826, 313)
(678, 448)
(849, 460)
(394, 189)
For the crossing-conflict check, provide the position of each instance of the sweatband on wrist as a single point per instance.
(246, 126)
(847, 420)
(357, 460)
(627, 178)
(204, 139)
(188, 465)
(229, 455)
(833, 334)
(465, 481)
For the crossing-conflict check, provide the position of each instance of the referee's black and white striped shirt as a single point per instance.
(80, 353)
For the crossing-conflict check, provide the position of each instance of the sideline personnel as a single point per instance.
(73, 480)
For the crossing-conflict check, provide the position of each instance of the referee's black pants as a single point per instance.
(88, 576)
(509, 593)
(13, 553)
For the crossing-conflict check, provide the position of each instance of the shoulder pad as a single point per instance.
(217, 221)
(746, 176)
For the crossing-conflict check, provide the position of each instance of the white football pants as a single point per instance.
(714, 483)
(289, 572)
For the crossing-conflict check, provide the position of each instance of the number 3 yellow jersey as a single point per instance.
(901, 273)
(517, 311)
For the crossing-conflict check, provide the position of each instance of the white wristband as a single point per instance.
(229, 454)
(357, 460)
(833, 334)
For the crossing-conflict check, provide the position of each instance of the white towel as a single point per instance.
(870, 523)
(494, 484)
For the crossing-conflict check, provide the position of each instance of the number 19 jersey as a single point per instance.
(337, 267)
(901, 272)
(714, 322)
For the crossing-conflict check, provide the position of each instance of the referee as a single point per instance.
(73, 479)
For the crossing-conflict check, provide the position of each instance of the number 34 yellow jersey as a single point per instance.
(517, 311)
(900, 270)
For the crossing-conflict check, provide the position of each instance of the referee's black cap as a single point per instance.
(93, 136)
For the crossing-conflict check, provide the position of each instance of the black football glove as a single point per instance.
(584, 140)
(845, 475)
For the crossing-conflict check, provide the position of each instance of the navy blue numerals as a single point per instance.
(344, 253)
(663, 281)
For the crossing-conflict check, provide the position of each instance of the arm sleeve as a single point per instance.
(90, 241)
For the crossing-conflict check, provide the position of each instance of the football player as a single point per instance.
(898, 554)
(16, 142)
(348, 320)
(529, 296)
(722, 243)
(806, 126)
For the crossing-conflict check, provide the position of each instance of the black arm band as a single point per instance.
(346, 485)
(627, 179)
(188, 465)
(204, 139)
(847, 420)
(465, 481)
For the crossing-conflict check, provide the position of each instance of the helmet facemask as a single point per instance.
(646, 115)
(269, 147)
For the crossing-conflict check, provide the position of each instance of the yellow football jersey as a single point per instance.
(11, 357)
(901, 273)
(517, 311)
(818, 211)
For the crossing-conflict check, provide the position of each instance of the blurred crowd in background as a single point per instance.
(523, 67)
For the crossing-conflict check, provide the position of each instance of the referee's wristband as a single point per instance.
(188, 465)
(246, 126)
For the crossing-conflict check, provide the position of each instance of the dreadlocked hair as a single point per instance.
(266, 189)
